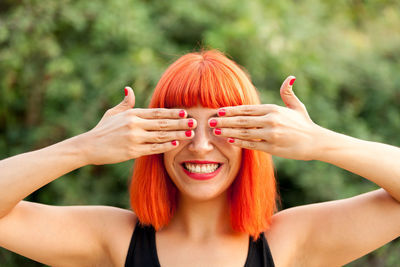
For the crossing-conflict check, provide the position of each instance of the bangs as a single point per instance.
(208, 79)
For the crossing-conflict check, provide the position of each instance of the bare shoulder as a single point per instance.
(284, 236)
(352, 227)
(117, 232)
(68, 235)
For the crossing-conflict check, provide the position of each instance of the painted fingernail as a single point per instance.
(292, 81)
(213, 122)
(217, 131)
(231, 140)
(182, 113)
(188, 133)
(190, 123)
(221, 112)
(174, 143)
(126, 91)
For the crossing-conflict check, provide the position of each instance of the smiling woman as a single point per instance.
(206, 80)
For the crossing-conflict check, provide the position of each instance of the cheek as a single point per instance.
(168, 158)
(231, 152)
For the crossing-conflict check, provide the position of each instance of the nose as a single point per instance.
(201, 143)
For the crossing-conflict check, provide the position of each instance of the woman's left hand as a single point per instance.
(286, 132)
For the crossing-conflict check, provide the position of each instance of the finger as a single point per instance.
(249, 134)
(149, 149)
(165, 136)
(247, 110)
(254, 145)
(238, 121)
(288, 96)
(127, 103)
(160, 113)
(167, 124)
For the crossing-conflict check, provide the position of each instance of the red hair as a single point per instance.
(212, 80)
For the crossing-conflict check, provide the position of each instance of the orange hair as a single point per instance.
(212, 80)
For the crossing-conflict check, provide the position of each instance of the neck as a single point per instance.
(202, 219)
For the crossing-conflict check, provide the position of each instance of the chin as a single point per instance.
(201, 194)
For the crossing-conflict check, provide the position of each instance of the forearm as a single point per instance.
(23, 174)
(374, 161)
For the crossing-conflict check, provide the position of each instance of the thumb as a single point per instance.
(127, 103)
(288, 96)
(129, 100)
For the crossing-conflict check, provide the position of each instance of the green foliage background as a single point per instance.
(64, 63)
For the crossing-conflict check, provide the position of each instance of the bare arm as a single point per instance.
(81, 236)
(25, 173)
(330, 233)
(376, 162)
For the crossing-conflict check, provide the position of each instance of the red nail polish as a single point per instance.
(231, 140)
(213, 122)
(126, 91)
(221, 112)
(292, 81)
(188, 133)
(190, 123)
(173, 143)
(182, 113)
(217, 131)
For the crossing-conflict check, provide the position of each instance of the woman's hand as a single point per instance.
(286, 132)
(126, 133)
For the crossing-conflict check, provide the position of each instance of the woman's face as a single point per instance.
(206, 165)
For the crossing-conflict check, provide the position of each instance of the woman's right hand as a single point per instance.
(126, 133)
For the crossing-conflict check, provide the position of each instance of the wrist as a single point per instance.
(326, 141)
(81, 149)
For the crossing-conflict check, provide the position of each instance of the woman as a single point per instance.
(203, 187)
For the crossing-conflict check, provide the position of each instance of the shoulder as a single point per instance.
(306, 235)
(284, 236)
(68, 235)
(116, 228)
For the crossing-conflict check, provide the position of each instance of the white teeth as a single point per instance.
(201, 168)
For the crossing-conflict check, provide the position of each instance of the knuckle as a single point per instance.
(272, 120)
(161, 136)
(163, 124)
(248, 110)
(132, 122)
(273, 136)
(154, 147)
(241, 122)
(133, 138)
(244, 133)
(249, 144)
(274, 107)
(156, 113)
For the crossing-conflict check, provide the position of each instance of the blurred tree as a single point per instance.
(63, 63)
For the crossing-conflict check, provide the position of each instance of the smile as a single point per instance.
(201, 170)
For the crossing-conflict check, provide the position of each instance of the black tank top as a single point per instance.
(142, 250)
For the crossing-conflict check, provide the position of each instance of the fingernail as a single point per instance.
(182, 113)
(217, 131)
(173, 143)
(190, 123)
(231, 140)
(188, 133)
(213, 122)
(292, 81)
(126, 91)
(221, 112)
